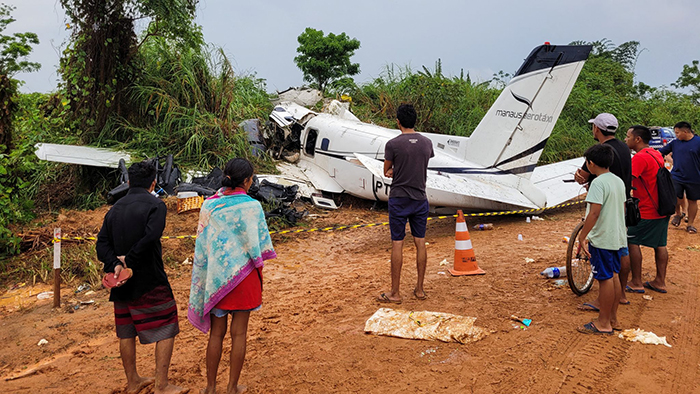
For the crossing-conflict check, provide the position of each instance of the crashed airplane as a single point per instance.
(494, 169)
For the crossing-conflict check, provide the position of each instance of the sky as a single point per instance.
(481, 38)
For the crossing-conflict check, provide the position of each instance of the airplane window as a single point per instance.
(310, 146)
(324, 144)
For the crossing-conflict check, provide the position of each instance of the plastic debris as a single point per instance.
(565, 239)
(82, 288)
(520, 237)
(526, 322)
(647, 297)
(45, 295)
(537, 218)
(87, 302)
(529, 260)
(43, 342)
(444, 262)
(187, 261)
(527, 219)
(645, 337)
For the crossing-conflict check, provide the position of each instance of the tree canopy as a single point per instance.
(15, 47)
(325, 59)
(690, 78)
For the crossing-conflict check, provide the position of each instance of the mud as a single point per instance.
(319, 292)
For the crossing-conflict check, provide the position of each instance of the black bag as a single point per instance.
(632, 215)
(666, 197)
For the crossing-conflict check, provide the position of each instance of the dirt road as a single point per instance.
(309, 336)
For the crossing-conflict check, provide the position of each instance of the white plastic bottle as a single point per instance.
(554, 272)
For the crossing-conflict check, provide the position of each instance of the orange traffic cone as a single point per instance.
(465, 261)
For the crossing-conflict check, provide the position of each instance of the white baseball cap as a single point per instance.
(607, 123)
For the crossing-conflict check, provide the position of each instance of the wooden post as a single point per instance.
(56, 267)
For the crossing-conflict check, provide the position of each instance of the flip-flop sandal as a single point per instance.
(590, 328)
(386, 300)
(420, 298)
(691, 230)
(676, 221)
(625, 303)
(650, 287)
(588, 307)
(109, 281)
(631, 290)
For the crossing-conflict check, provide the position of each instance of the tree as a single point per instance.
(102, 60)
(13, 51)
(690, 78)
(325, 59)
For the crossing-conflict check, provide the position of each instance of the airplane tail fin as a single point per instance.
(515, 130)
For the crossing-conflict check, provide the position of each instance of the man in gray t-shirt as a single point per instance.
(406, 161)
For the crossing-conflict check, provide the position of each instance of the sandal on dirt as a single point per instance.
(628, 289)
(691, 230)
(676, 221)
(590, 328)
(385, 299)
(418, 297)
(588, 307)
(651, 287)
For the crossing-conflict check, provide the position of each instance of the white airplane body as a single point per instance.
(494, 169)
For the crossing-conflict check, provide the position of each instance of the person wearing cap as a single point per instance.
(604, 127)
(685, 172)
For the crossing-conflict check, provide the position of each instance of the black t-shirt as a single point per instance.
(133, 228)
(410, 153)
(621, 165)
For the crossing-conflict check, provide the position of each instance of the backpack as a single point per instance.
(666, 193)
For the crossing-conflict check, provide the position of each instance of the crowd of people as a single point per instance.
(233, 241)
(613, 176)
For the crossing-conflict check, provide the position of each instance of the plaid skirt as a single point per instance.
(153, 317)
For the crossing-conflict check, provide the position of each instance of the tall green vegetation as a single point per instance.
(189, 103)
(14, 169)
(102, 60)
(690, 78)
(325, 60)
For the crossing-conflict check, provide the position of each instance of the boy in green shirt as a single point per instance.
(604, 236)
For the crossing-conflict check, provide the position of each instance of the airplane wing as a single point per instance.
(456, 191)
(557, 181)
(84, 155)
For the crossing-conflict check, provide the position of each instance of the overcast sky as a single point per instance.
(481, 38)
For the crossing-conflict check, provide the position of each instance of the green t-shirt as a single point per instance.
(609, 232)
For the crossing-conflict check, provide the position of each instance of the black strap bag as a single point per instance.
(666, 194)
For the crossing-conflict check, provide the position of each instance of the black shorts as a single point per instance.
(690, 190)
(402, 209)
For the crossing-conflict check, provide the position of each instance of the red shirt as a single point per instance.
(645, 165)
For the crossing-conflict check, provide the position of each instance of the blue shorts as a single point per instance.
(691, 191)
(606, 262)
(402, 209)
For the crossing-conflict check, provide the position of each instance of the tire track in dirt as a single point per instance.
(686, 365)
(585, 361)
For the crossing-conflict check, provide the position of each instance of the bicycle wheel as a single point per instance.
(578, 268)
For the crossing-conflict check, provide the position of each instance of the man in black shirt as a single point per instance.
(604, 126)
(143, 304)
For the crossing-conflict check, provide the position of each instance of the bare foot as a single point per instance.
(208, 391)
(139, 385)
(172, 389)
(239, 389)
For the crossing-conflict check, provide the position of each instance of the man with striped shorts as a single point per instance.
(144, 304)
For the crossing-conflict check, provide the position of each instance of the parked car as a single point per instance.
(660, 136)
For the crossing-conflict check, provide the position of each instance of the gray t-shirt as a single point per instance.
(410, 153)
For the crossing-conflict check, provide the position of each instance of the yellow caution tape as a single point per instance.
(329, 229)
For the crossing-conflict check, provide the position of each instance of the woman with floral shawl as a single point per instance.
(232, 243)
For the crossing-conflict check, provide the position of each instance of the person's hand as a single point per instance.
(581, 176)
(119, 268)
(583, 245)
(390, 173)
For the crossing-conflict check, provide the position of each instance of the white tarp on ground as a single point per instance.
(84, 155)
(434, 326)
(646, 337)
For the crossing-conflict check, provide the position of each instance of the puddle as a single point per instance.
(24, 296)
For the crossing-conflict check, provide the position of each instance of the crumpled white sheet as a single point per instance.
(646, 337)
(426, 325)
